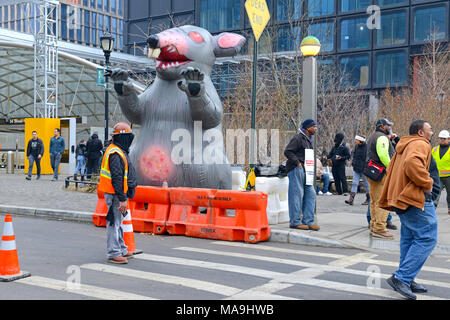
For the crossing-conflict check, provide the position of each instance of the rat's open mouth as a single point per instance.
(170, 58)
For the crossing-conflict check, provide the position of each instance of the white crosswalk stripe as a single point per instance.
(159, 277)
(316, 270)
(274, 282)
(81, 289)
(364, 259)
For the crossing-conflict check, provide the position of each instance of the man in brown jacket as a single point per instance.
(407, 191)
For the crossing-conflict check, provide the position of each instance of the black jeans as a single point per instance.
(31, 160)
(340, 180)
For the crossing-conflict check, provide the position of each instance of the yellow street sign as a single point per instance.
(258, 14)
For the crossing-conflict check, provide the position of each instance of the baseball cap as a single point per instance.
(382, 122)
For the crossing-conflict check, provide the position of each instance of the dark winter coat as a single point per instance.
(339, 150)
(117, 168)
(35, 148)
(295, 150)
(359, 155)
(81, 150)
(94, 147)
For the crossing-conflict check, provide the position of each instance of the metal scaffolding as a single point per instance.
(46, 31)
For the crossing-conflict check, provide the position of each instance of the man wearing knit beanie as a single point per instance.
(301, 197)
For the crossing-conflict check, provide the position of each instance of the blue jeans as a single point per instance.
(301, 198)
(32, 160)
(81, 165)
(389, 218)
(326, 182)
(355, 182)
(55, 159)
(419, 234)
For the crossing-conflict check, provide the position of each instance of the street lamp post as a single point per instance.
(310, 48)
(107, 44)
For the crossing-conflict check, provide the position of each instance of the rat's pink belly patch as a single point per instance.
(155, 163)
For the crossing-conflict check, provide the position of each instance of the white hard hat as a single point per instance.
(444, 134)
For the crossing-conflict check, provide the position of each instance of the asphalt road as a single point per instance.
(67, 261)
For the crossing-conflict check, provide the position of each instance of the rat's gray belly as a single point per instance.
(153, 152)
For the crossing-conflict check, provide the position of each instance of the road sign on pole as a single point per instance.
(259, 15)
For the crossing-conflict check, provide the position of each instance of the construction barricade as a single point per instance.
(149, 209)
(218, 214)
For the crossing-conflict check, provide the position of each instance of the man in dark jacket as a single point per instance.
(35, 151)
(301, 197)
(358, 164)
(93, 147)
(118, 182)
(338, 155)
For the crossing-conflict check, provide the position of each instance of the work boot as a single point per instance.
(391, 226)
(118, 260)
(129, 255)
(365, 203)
(351, 199)
(383, 235)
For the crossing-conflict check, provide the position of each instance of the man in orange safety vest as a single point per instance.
(118, 182)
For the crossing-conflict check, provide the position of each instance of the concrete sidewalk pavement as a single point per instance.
(341, 225)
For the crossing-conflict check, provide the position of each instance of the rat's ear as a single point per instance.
(227, 44)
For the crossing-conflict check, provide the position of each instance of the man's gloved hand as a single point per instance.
(131, 192)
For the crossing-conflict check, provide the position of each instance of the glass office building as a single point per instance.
(371, 57)
(80, 21)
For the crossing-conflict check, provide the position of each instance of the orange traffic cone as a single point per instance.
(128, 235)
(9, 261)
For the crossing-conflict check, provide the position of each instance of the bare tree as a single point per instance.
(428, 95)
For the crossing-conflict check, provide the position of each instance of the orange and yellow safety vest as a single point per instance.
(105, 184)
(443, 163)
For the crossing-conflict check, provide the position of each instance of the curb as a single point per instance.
(298, 238)
(78, 216)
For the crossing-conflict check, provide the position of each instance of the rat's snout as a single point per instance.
(153, 41)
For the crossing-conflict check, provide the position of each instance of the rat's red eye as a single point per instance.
(196, 37)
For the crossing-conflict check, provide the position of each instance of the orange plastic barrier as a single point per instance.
(149, 208)
(9, 260)
(99, 216)
(218, 214)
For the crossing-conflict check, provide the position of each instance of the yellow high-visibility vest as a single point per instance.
(105, 183)
(443, 163)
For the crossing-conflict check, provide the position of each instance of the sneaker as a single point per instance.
(384, 235)
(118, 260)
(320, 193)
(401, 288)
(28, 177)
(328, 194)
(38, 177)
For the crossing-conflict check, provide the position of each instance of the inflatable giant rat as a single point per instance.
(180, 114)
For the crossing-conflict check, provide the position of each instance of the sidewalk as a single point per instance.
(341, 225)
